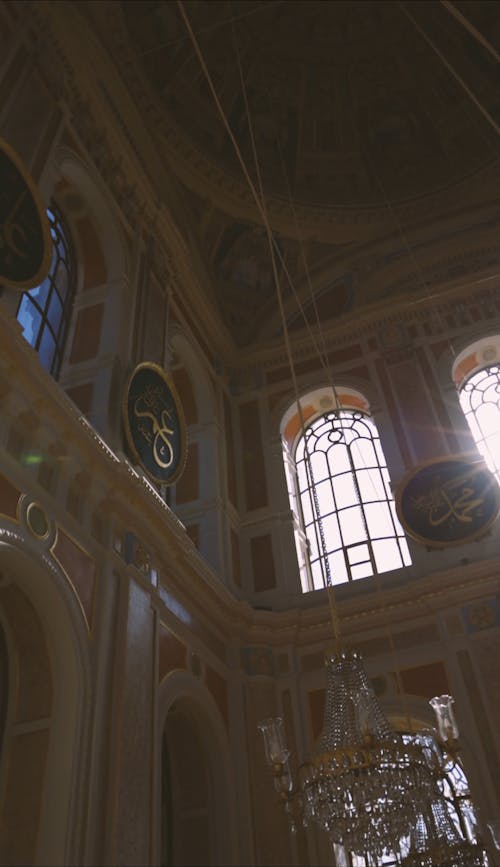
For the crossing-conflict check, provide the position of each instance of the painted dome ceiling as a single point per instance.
(349, 105)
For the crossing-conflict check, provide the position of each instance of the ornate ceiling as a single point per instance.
(350, 114)
(349, 106)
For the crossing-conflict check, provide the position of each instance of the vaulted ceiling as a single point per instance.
(344, 115)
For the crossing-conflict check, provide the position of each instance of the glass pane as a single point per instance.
(30, 320)
(361, 570)
(319, 467)
(313, 540)
(47, 349)
(331, 532)
(338, 568)
(307, 510)
(405, 551)
(39, 293)
(387, 555)
(61, 280)
(302, 478)
(324, 495)
(378, 518)
(54, 313)
(363, 454)
(358, 554)
(317, 576)
(371, 485)
(338, 459)
(352, 525)
(345, 491)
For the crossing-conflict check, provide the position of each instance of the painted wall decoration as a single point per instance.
(448, 501)
(154, 423)
(25, 242)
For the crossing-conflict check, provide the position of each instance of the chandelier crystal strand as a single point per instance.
(364, 785)
(435, 841)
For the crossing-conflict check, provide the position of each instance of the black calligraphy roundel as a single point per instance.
(154, 423)
(448, 501)
(25, 243)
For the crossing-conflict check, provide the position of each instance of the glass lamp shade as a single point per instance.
(494, 827)
(274, 741)
(445, 717)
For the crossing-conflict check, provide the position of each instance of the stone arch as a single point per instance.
(84, 202)
(47, 715)
(186, 357)
(186, 698)
(381, 545)
(200, 482)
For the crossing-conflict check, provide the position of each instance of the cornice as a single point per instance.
(370, 321)
(231, 194)
(133, 504)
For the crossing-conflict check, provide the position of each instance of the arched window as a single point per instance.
(480, 400)
(44, 311)
(340, 486)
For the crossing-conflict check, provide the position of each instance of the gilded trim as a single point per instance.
(167, 379)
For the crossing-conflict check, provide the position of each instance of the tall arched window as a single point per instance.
(480, 400)
(341, 491)
(44, 311)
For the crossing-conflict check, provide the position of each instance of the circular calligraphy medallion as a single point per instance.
(448, 501)
(154, 423)
(25, 242)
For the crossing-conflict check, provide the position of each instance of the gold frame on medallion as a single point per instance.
(462, 458)
(151, 365)
(24, 285)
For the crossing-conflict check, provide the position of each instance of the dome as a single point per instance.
(349, 105)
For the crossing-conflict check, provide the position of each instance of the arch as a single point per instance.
(49, 708)
(200, 382)
(84, 196)
(476, 373)
(346, 525)
(182, 693)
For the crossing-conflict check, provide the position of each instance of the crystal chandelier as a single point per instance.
(365, 784)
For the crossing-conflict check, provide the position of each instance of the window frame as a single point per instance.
(309, 564)
(466, 390)
(63, 257)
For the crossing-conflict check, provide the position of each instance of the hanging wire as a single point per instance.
(279, 293)
(452, 9)
(275, 253)
(484, 111)
(173, 42)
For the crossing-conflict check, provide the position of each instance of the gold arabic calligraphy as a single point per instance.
(456, 498)
(150, 405)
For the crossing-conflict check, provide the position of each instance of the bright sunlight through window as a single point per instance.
(480, 401)
(347, 508)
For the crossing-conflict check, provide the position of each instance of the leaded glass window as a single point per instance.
(480, 401)
(44, 311)
(345, 498)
